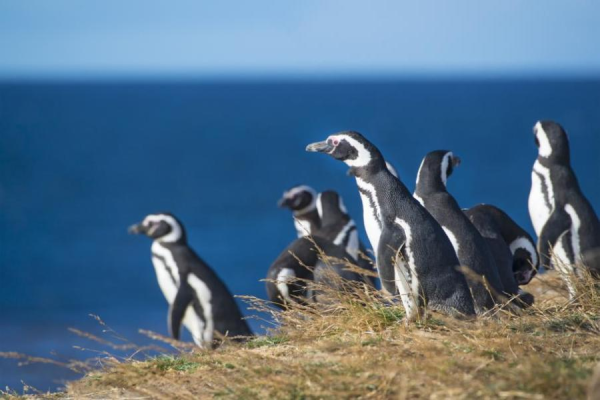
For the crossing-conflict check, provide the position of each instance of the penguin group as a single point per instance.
(429, 253)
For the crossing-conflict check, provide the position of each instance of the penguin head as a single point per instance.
(163, 227)
(299, 199)
(525, 266)
(435, 169)
(331, 208)
(350, 147)
(552, 141)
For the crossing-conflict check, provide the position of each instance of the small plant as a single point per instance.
(172, 363)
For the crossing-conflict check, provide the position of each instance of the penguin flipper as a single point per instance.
(182, 300)
(555, 226)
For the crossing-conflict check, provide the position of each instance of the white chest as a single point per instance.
(166, 271)
(541, 197)
(371, 213)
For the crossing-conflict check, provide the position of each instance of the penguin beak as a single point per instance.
(320, 147)
(455, 161)
(284, 202)
(136, 229)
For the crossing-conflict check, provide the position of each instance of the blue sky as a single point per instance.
(304, 37)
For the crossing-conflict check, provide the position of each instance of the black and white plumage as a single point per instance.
(525, 259)
(302, 201)
(289, 276)
(300, 263)
(339, 228)
(562, 217)
(402, 233)
(513, 249)
(471, 249)
(198, 299)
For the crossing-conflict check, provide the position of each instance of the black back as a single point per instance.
(473, 251)
(443, 287)
(524, 265)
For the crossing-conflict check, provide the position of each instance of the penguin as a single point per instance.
(471, 249)
(302, 201)
(402, 233)
(339, 228)
(307, 220)
(196, 296)
(289, 276)
(525, 258)
(562, 217)
(513, 249)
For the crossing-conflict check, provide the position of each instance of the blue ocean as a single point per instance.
(80, 162)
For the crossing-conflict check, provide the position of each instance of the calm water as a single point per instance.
(81, 162)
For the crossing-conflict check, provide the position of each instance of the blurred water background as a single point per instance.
(80, 162)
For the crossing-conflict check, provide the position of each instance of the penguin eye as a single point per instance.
(335, 142)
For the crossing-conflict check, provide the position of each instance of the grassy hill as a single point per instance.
(357, 346)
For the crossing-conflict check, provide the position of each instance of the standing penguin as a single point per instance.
(414, 256)
(512, 248)
(562, 217)
(471, 249)
(302, 201)
(196, 296)
(338, 227)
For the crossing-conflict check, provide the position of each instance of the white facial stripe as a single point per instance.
(364, 156)
(525, 244)
(297, 190)
(545, 150)
(204, 296)
(445, 162)
(172, 236)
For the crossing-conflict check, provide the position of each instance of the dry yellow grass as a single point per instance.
(358, 347)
